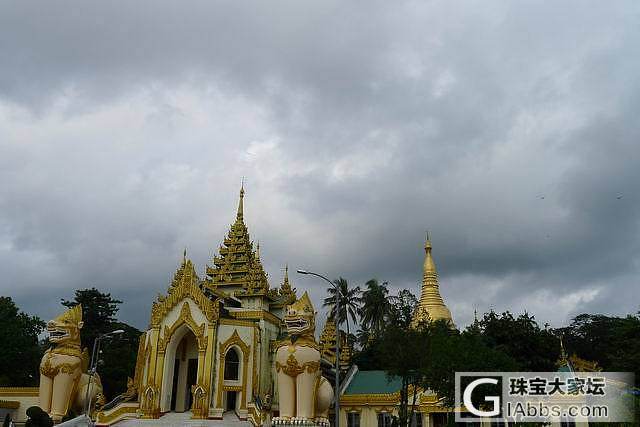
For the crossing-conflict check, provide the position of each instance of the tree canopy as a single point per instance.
(21, 352)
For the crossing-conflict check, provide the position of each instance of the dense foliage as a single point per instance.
(21, 353)
(613, 342)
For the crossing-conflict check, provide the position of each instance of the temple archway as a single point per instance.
(180, 370)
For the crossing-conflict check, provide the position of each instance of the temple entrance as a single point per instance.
(232, 398)
(184, 370)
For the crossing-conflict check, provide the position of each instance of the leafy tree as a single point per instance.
(374, 306)
(533, 349)
(349, 302)
(402, 355)
(448, 351)
(613, 342)
(402, 308)
(21, 354)
(118, 355)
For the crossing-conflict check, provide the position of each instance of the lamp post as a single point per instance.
(93, 365)
(337, 316)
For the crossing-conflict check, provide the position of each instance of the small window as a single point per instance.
(231, 365)
(384, 419)
(353, 419)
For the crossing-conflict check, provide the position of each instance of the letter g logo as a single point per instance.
(466, 398)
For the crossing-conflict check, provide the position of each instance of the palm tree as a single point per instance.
(375, 306)
(349, 302)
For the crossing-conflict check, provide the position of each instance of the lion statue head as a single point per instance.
(300, 318)
(65, 329)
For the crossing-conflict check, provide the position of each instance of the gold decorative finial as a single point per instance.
(429, 265)
(241, 202)
(184, 255)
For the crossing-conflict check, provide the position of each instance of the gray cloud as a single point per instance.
(509, 130)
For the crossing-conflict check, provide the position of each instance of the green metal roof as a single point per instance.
(373, 382)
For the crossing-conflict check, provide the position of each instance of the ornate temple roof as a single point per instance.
(431, 307)
(238, 264)
(185, 283)
(327, 344)
(285, 294)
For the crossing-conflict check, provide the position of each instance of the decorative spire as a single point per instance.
(286, 292)
(327, 344)
(429, 267)
(239, 215)
(431, 307)
(238, 265)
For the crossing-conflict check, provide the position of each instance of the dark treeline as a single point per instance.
(22, 349)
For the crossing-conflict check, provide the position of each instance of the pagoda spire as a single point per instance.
(238, 266)
(431, 306)
(239, 215)
(286, 294)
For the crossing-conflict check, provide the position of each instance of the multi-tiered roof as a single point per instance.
(327, 344)
(237, 269)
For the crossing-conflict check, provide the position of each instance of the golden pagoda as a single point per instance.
(238, 270)
(431, 307)
(327, 344)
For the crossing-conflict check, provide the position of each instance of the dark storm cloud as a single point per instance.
(509, 130)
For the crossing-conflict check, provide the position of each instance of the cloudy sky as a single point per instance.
(508, 129)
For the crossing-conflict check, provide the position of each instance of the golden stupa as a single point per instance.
(431, 306)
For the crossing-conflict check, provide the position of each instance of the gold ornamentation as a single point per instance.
(150, 405)
(140, 362)
(257, 315)
(109, 418)
(19, 391)
(185, 284)
(200, 407)
(254, 382)
(185, 318)
(9, 404)
(293, 368)
(236, 322)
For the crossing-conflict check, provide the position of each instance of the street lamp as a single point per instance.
(94, 362)
(337, 316)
